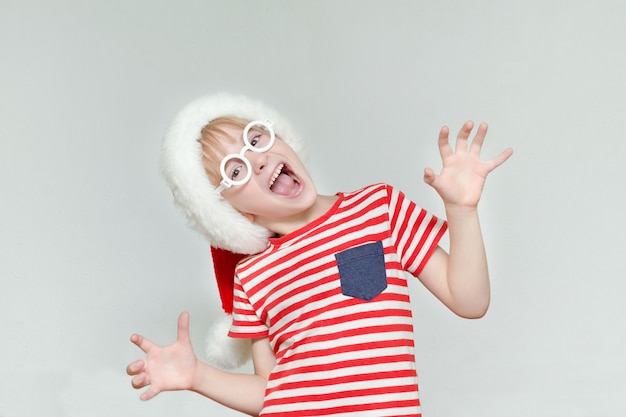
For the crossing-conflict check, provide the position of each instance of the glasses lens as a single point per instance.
(235, 169)
(260, 136)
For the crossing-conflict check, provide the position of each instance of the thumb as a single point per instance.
(183, 327)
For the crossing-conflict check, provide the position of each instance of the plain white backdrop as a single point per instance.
(92, 249)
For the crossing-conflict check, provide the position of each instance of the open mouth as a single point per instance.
(284, 181)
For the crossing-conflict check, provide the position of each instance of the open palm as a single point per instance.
(463, 175)
(165, 368)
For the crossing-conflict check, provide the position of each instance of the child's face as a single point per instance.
(279, 187)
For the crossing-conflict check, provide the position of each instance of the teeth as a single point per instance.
(279, 169)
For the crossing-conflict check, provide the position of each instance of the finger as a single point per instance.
(429, 176)
(135, 367)
(149, 394)
(463, 135)
(139, 381)
(183, 328)
(500, 159)
(443, 142)
(141, 342)
(479, 139)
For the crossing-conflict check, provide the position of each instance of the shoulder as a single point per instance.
(370, 189)
(380, 195)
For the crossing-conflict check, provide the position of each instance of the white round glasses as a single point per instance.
(235, 168)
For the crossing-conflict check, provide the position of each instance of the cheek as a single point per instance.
(243, 198)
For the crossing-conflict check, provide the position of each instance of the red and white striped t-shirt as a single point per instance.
(333, 299)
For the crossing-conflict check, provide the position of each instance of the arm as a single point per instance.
(244, 393)
(461, 279)
(176, 367)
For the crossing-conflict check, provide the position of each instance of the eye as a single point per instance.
(234, 173)
(255, 139)
(235, 169)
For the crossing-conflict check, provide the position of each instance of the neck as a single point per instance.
(284, 226)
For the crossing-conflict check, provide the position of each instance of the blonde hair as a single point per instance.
(212, 138)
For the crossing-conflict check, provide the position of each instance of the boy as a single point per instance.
(323, 299)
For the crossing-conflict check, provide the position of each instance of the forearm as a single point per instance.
(241, 392)
(460, 279)
(467, 272)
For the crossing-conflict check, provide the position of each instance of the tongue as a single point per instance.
(284, 185)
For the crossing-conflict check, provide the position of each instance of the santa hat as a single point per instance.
(230, 234)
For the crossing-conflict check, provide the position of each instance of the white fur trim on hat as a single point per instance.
(223, 351)
(181, 165)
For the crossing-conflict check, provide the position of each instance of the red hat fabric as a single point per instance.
(224, 264)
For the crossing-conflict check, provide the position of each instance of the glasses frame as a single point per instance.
(226, 182)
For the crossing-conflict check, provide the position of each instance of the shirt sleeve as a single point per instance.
(415, 232)
(246, 323)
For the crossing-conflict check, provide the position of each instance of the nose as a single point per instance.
(258, 161)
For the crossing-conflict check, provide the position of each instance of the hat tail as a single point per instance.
(223, 351)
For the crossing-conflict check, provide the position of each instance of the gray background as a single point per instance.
(93, 250)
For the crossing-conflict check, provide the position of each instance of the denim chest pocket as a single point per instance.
(362, 271)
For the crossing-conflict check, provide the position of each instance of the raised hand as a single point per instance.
(165, 368)
(462, 178)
